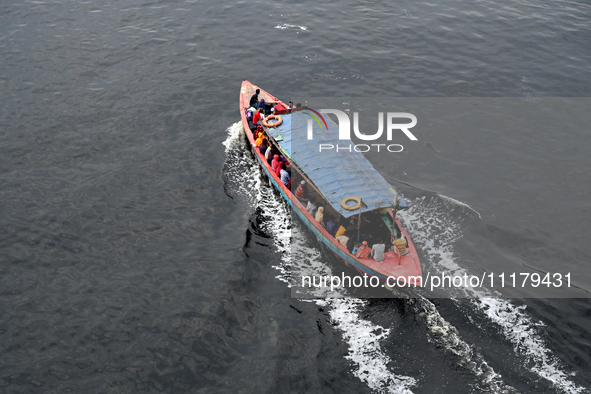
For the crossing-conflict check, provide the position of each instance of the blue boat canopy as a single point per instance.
(338, 174)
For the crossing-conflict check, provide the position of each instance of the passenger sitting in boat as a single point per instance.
(254, 99)
(259, 140)
(351, 244)
(256, 132)
(251, 125)
(285, 177)
(257, 116)
(320, 216)
(331, 226)
(270, 154)
(301, 192)
(377, 251)
(343, 239)
(276, 162)
(311, 207)
(340, 231)
(363, 251)
(401, 245)
(280, 166)
(263, 147)
(264, 107)
(355, 249)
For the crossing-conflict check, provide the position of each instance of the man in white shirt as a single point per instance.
(377, 251)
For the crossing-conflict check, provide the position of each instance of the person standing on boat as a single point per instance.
(377, 251)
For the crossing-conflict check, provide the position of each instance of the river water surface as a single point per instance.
(141, 250)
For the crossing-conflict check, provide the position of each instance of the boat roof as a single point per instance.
(336, 174)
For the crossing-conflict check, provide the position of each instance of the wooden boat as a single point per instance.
(323, 182)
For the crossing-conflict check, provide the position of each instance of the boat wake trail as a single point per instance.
(523, 332)
(463, 355)
(435, 223)
(244, 179)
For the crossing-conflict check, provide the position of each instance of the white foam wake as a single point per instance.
(284, 26)
(522, 331)
(369, 362)
(432, 229)
(363, 338)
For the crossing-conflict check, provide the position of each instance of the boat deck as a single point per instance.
(406, 266)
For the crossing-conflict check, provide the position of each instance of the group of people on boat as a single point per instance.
(341, 233)
(258, 110)
(256, 114)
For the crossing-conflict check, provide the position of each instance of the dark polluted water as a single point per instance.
(141, 250)
(487, 344)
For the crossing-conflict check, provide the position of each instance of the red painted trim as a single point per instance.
(409, 259)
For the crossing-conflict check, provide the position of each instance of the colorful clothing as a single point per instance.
(401, 245)
(276, 162)
(340, 231)
(259, 140)
(256, 117)
(299, 194)
(363, 251)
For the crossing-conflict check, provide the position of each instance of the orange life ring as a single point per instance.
(267, 124)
